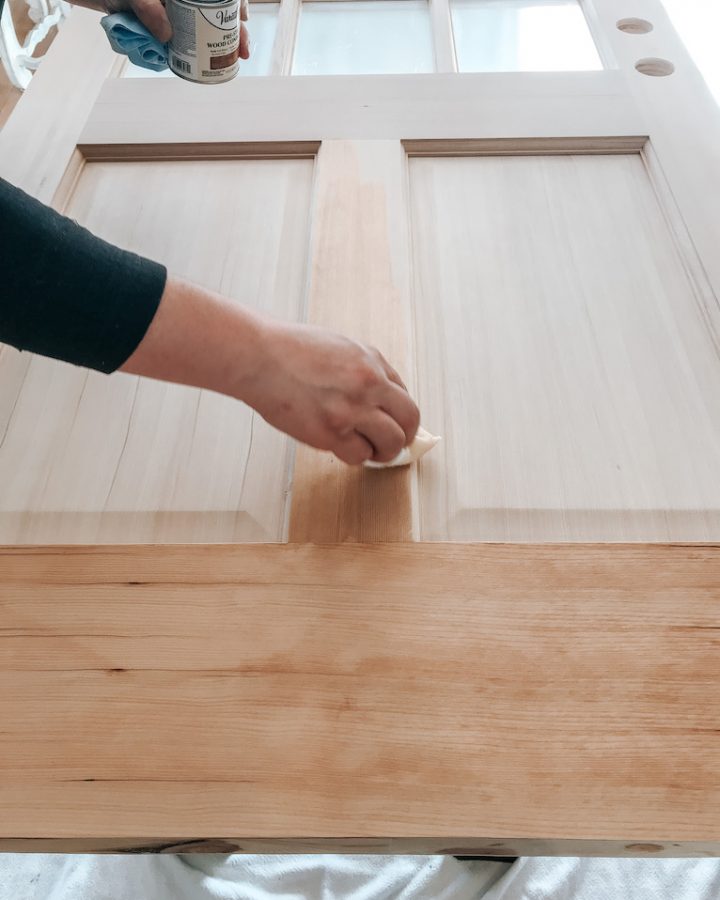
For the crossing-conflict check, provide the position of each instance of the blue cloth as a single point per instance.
(127, 35)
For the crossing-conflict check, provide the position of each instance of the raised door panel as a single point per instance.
(566, 351)
(90, 458)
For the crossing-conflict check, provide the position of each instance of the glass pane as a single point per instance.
(522, 36)
(262, 24)
(364, 37)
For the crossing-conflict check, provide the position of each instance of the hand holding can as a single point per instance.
(207, 39)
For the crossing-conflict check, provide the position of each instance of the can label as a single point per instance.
(205, 43)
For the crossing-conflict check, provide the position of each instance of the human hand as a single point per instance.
(330, 392)
(153, 16)
(316, 386)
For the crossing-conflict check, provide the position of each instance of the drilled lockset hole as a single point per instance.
(655, 66)
(635, 26)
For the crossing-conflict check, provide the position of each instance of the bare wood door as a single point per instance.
(536, 252)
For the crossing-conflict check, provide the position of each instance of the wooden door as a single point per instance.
(537, 254)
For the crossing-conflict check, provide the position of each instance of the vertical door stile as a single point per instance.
(285, 36)
(681, 114)
(359, 287)
(443, 36)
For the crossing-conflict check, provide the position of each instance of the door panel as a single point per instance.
(563, 352)
(554, 308)
(87, 458)
(561, 346)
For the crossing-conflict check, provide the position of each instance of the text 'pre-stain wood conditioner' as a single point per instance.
(205, 43)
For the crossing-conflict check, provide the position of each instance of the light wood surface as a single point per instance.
(684, 119)
(460, 698)
(359, 287)
(524, 146)
(164, 152)
(121, 458)
(40, 137)
(563, 353)
(345, 107)
(488, 699)
(9, 96)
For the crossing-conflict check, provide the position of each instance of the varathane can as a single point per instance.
(205, 43)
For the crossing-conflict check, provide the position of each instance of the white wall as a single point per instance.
(698, 24)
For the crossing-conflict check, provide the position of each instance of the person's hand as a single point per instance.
(153, 16)
(331, 393)
(244, 36)
(316, 386)
(150, 12)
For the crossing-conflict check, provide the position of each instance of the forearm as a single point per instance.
(319, 387)
(200, 338)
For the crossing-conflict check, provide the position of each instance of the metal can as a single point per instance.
(205, 43)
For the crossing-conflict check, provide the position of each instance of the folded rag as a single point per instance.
(423, 442)
(127, 35)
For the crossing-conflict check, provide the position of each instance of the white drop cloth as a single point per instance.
(51, 877)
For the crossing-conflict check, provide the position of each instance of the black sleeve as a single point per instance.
(68, 294)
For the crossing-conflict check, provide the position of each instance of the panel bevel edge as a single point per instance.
(69, 180)
(544, 146)
(687, 251)
(194, 151)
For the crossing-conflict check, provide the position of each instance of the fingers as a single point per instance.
(330, 392)
(400, 406)
(244, 43)
(392, 374)
(244, 36)
(153, 16)
(384, 434)
(353, 449)
(396, 400)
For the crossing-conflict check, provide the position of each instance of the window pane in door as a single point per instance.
(522, 36)
(364, 37)
(262, 25)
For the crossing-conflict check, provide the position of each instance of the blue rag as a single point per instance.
(127, 35)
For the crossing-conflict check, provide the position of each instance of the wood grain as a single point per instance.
(468, 846)
(564, 354)
(458, 699)
(359, 261)
(407, 697)
(541, 146)
(684, 120)
(85, 457)
(136, 152)
(39, 138)
(381, 107)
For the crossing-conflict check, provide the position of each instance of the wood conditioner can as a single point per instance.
(205, 43)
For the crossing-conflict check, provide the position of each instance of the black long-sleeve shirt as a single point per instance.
(66, 293)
